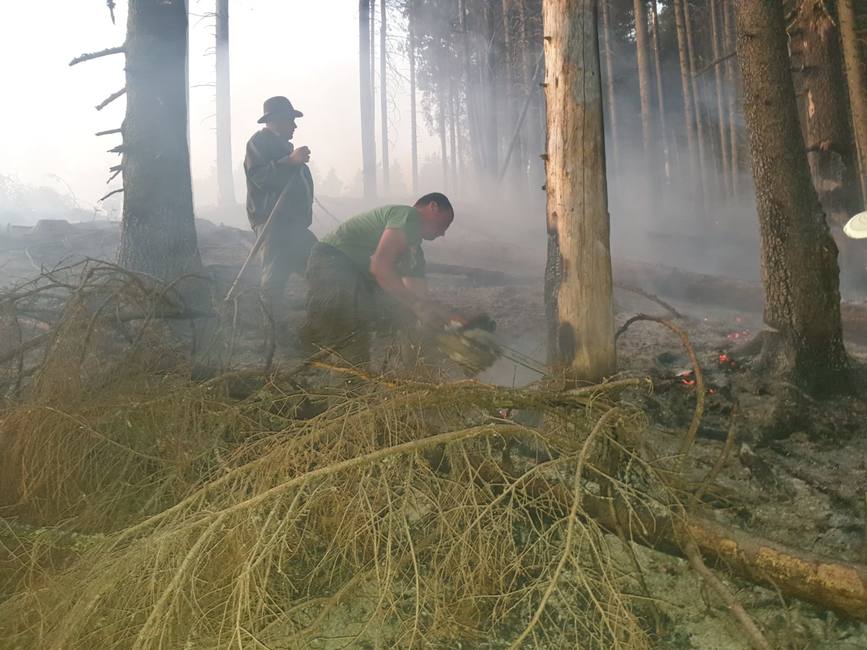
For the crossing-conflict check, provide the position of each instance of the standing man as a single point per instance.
(280, 194)
(374, 254)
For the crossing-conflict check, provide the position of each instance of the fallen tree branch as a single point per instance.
(754, 634)
(651, 297)
(825, 582)
(97, 55)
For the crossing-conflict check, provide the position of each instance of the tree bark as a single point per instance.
(225, 176)
(685, 82)
(383, 90)
(577, 212)
(660, 94)
(609, 84)
(158, 234)
(721, 113)
(490, 84)
(643, 77)
(855, 65)
(799, 257)
(413, 112)
(441, 122)
(731, 97)
(696, 105)
(368, 126)
(453, 131)
(827, 133)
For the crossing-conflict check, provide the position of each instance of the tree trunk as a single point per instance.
(799, 257)
(490, 84)
(368, 126)
(441, 122)
(158, 233)
(685, 82)
(577, 213)
(472, 85)
(731, 97)
(720, 110)
(855, 64)
(643, 77)
(660, 95)
(696, 104)
(609, 84)
(383, 89)
(225, 177)
(413, 113)
(827, 132)
(453, 145)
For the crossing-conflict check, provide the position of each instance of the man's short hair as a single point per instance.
(440, 199)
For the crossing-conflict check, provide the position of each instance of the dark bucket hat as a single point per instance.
(278, 107)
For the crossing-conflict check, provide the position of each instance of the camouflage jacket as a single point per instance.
(266, 181)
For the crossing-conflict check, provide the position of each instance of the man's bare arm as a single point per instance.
(412, 292)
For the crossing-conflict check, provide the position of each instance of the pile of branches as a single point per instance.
(400, 513)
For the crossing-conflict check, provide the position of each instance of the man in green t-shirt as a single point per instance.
(372, 253)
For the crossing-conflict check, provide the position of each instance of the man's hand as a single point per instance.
(301, 156)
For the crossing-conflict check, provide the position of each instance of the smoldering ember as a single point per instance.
(433, 324)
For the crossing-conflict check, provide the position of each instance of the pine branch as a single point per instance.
(97, 55)
(117, 169)
(109, 132)
(108, 100)
(110, 5)
(118, 149)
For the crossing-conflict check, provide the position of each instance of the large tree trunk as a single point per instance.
(855, 70)
(799, 257)
(643, 78)
(815, 41)
(720, 110)
(158, 234)
(577, 213)
(383, 91)
(368, 139)
(413, 112)
(225, 177)
(609, 84)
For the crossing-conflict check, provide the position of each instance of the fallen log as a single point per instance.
(729, 293)
(825, 582)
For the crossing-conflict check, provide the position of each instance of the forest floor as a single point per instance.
(806, 490)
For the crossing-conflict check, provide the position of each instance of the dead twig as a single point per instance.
(689, 438)
(112, 193)
(108, 100)
(97, 55)
(653, 298)
(754, 634)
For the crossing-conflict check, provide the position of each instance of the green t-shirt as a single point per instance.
(359, 237)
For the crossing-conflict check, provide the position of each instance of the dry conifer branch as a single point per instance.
(754, 634)
(108, 100)
(692, 432)
(96, 55)
(108, 132)
(112, 193)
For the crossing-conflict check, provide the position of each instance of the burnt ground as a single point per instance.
(806, 490)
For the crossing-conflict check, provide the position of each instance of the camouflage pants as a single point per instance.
(284, 251)
(341, 305)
